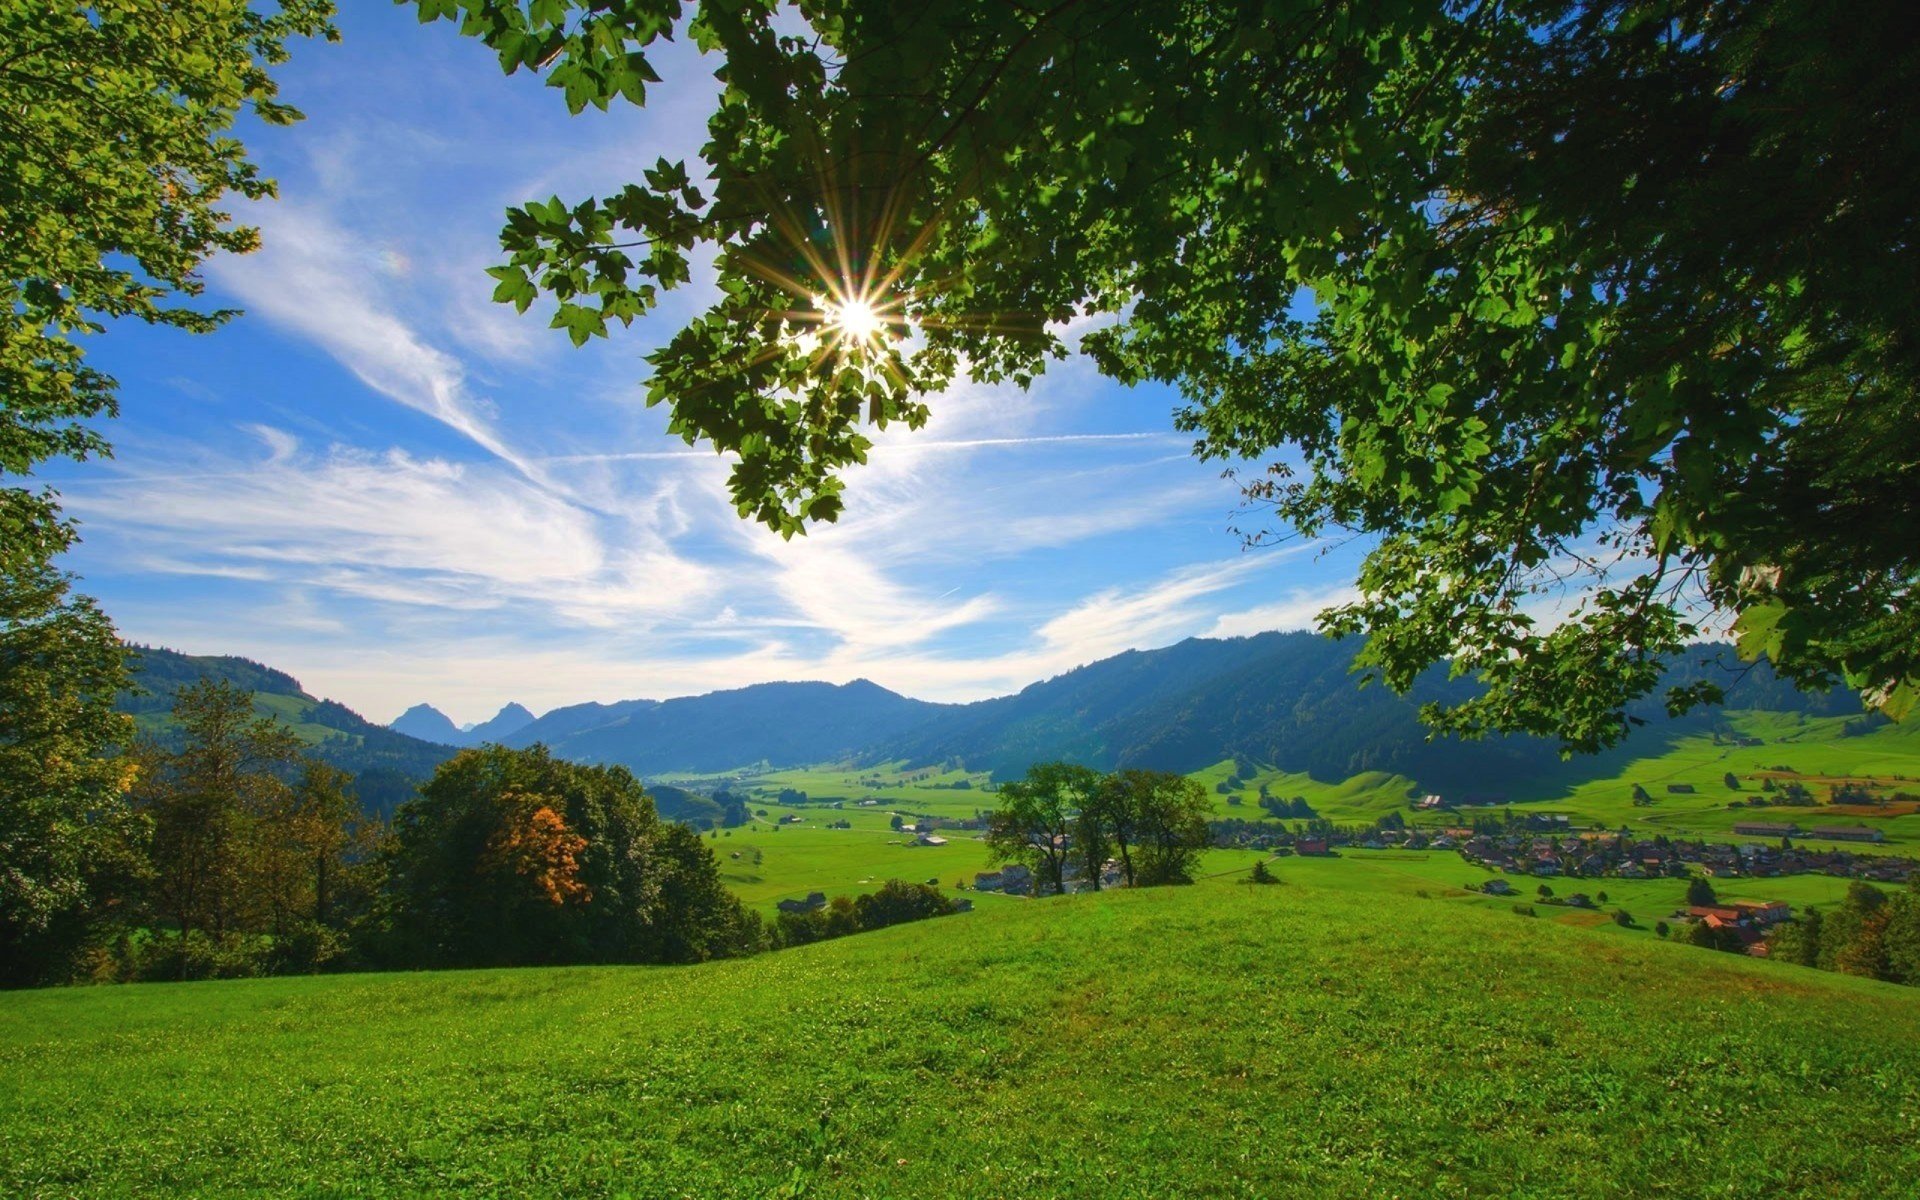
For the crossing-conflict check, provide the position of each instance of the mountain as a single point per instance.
(562, 723)
(781, 724)
(510, 719)
(1289, 700)
(386, 764)
(429, 724)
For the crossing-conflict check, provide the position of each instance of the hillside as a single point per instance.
(1285, 699)
(785, 724)
(1216, 1040)
(385, 764)
(1289, 699)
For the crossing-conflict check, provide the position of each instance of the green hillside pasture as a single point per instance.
(809, 857)
(1214, 1041)
(1817, 751)
(1444, 875)
(894, 786)
(290, 711)
(1361, 799)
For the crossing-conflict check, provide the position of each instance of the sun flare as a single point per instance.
(856, 320)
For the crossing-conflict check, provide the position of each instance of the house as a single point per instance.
(813, 903)
(1310, 846)
(989, 881)
(963, 905)
(1849, 833)
(1762, 912)
(1714, 914)
(1016, 880)
(1429, 803)
(1580, 900)
(929, 839)
(1766, 829)
(1497, 887)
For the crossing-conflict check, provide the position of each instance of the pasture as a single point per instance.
(1211, 1041)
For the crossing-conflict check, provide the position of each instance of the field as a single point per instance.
(1219, 1040)
(774, 859)
(1815, 752)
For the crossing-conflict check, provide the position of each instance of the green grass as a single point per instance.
(1817, 750)
(1218, 1040)
(810, 857)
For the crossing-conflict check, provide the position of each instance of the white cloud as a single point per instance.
(314, 278)
(1298, 610)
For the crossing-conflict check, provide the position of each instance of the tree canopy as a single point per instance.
(115, 154)
(1599, 299)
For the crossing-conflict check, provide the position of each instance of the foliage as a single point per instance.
(68, 841)
(117, 119)
(385, 765)
(260, 857)
(1700, 892)
(1034, 822)
(1543, 295)
(1064, 815)
(895, 903)
(514, 857)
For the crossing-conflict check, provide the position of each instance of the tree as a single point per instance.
(1700, 892)
(1260, 873)
(1731, 780)
(514, 857)
(1034, 822)
(1122, 799)
(1797, 941)
(1172, 828)
(1560, 295)
(69, 843)
(115, 121)
(898, 902)
(219, 805)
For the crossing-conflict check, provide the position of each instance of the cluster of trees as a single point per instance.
(1066, 820)
(1295, 809)
(896, 903)
(236, 853)
(119, 155)
(1873, 933)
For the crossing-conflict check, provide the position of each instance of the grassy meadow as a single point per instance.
(1813, 751)
(1220, 1040)
(773, 859)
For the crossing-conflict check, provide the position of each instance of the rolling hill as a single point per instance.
(385, 764)
(1217, 1040)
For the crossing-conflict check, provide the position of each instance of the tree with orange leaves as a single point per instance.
(534, 843)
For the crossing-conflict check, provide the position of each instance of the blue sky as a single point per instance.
(398, 491)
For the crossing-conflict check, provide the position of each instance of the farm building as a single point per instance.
(1849, 833)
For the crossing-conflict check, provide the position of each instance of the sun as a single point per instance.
(856, 320)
